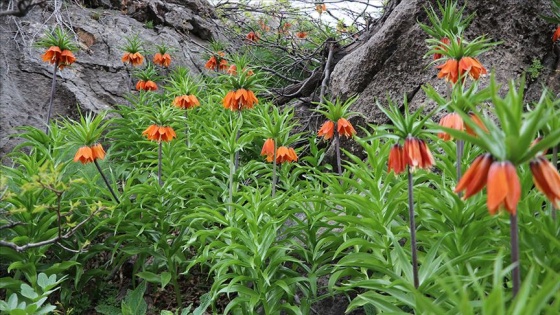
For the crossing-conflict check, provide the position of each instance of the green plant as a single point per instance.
(534, 70)
(31, 299)
(149, 24)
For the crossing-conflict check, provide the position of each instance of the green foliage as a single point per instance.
(534, 71)
(31, 299)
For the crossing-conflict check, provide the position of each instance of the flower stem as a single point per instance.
(106, 181)
(337, 150)
(412, 230)
(514, 235)
(159, 164)
(187, 129)
(237, 139)
(460, 148)
(230, 182)
(555, 163)
(53, 87)
(274, 177)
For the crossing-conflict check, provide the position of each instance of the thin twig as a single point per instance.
(52, 240)
(106, 181)
(53, 86)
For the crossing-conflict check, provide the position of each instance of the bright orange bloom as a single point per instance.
(186, 101)
(453, 121)
(162, 60)
(546, 179)
(268, 150)
(211, 63)
(301, 34)
(449, 70)
(476, 176)
(232, 70)
(88, 154)
(66, 58)
(223, 65)
(396, 159)
(239, 99)
(263, 26)
(556, 35)
(52, 54)
(471, 66)
(327, 130)
(136, 59)
(417, 154)
(284, 154)
(252, 36)
(159, 133)
(504, 189)
(445, 41)
(320, 8)
(478, 122)
(345, 128)
(146, 85)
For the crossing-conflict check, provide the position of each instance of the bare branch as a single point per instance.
(23, 6)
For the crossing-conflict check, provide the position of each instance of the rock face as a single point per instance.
(99, 79)
(391, 63)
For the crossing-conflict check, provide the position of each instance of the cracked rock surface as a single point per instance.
(98, 80)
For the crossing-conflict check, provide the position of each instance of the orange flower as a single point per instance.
(478, 122)
(449, 70)
(476, 176)
(159, 133)
(162, 60)
(146, 85)
(301, 34)
(268, 150)
(453, 121)
(345, 128)
(252, 36)
(504, 189)
(186, 101)
(327, 130)
(546, 179)
(98, 152)
(320, 8)
(445, 41)
(263, 26)
(417, 154)
(52, 54)
(471, 66)
(556, 35)
(239, 99)
(284, 154)
(396, 159)
(211, 63)
(232, 70)
(136, 59)
(88, 154)
(66, 58)
(223, 65)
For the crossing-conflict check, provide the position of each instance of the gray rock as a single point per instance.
(98, 80)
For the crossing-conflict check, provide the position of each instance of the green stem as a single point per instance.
(460, 149)
(337, 151)
(187, 129)
(106, 181)
(159, 164)
(237, 139)
(176, 287)
(555, 163)
(230, 182)
(274, 176)
(412, 230)
(53, 87)
(514, 235)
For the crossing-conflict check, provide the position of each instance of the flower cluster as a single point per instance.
(186, 101)
(283, 154)
(239, 99)
(217, 62)
(159, 133)
(414, 154)
(343, 128)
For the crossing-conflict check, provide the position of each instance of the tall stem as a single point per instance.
(459, 160)
(159, 165)
(412, 230)
(337, 150)
(187, 129)
(53, 87)
(106, 181)
(274, 178)
(514, 235)
(555, 163)
(237, 139)
(59, 217)
(230, 182)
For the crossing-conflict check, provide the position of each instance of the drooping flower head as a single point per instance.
(556, 34)
(147, 78)
(252, 37)
(417, 154)
(546, 179)
(285, 154)
(301, 34)
(88, 154)
(162, 57)
(183, 88)
(59, 47)
(452, 120)
(159, 133)
(397, 161)
(242, 86)
(336, 114)
(475, 178)
(320, 8)
(268, 149)
(86, 134)
(133, 51)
